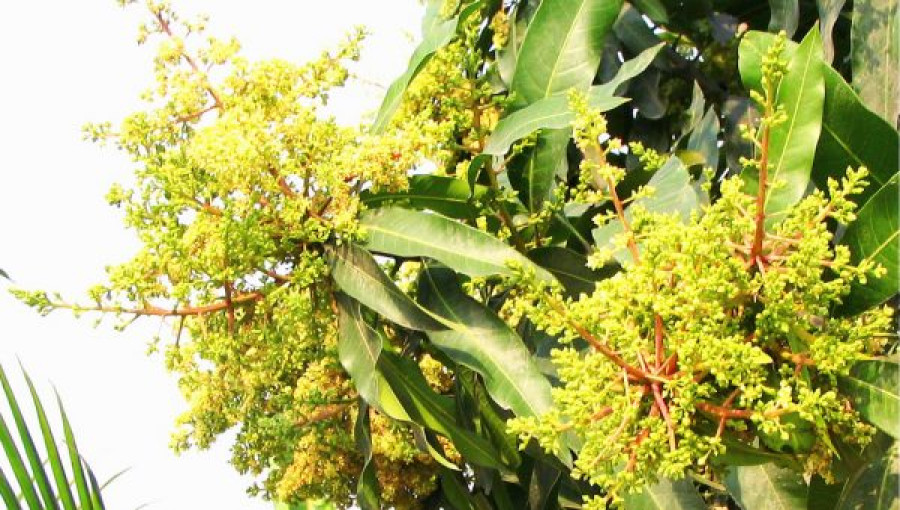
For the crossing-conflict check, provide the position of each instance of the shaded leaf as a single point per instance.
(359, 347)
(785, 16)
(367, 491)
(822, 495)
(483, 342)
(408, 233)
(873, 236)
(875, 486)
(357, 273)
(666, 495)
(829, 11)
(873, 386)
(704, 139)
(653, 9)
(875, 53)
(569, 268)
(767, 487)
(431, 410)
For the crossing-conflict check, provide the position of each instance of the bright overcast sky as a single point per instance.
(66, 63)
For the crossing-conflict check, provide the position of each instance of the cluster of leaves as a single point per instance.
(641, 272)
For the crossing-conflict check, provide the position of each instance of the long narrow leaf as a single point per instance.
(78, 478)
(53, 457)
(7, 493)
(34, 459)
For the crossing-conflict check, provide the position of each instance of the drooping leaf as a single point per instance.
(407, 233)
(792, 144)
(673, 194)
(445, 195)
(359, 347)
(367, 491)
(767, 487)
(431, 410)
(569, 268)
(875, 53)
(875, 486)
(436, 33)
(666, 495)
(873, 236)
(7, 494)
(357, 273)
(481, 341)
(853, 136)
(874, 388)
(829, 11)
(785, 16)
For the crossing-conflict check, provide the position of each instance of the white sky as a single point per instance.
(66, 63)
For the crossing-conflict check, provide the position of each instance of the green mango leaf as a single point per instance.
(548, 113)
(561, 50)
(553, 112)
(357, 273)
(874, 388)
(408, 233)
(532, 173)
(792, 144)
(875, 53)
(455, 491)
(673, 194)
(562, 47)
(445, 195)
(785, 16)
(569, 268)
(853, 136)
(666, 495)
(829, 11)
(481, 341)
(767, 487)
(359, 347)
(436, 33)
(431, 410)
(873, 236)
(875, 486)
(367, 491)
